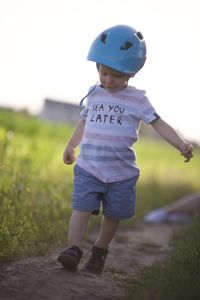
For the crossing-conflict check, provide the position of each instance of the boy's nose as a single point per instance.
(109, 79)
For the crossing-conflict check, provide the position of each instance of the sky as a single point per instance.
(44, 45)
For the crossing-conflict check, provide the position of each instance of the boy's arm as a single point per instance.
(69, 153)
(172, 137)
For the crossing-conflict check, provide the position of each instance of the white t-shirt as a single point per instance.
(112, 125)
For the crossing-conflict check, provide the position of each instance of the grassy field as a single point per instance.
(165, 176)
(36, 187)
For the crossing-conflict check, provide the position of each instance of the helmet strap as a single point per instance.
(92, 90)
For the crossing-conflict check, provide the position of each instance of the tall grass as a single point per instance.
(36, 187)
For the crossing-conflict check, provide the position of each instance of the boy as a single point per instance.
(106, 172)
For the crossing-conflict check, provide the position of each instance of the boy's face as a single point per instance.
(112, 80)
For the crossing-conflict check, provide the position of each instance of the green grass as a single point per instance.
(178, 277)
(36, 186)
(165, 176)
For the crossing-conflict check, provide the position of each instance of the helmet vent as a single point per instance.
(103, 38)
(139, 35)
(126, 45)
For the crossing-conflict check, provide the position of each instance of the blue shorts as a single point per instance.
(117, 198)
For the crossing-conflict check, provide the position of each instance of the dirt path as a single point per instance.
(41, 278)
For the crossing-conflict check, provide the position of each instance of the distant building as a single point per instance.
(57, 111)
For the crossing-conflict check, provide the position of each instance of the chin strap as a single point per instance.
(92, 90)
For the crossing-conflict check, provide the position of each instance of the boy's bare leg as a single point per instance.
(96, 261)
(77, 227)
(107, 232)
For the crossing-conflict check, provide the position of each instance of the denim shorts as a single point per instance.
(117, 199)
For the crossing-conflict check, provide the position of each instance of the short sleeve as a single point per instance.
(148, 113)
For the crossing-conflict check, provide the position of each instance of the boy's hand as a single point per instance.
(68, 155)
(186, 150)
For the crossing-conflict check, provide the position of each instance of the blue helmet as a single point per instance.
(121, 48)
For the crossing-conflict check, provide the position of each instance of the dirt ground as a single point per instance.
(39, 278)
